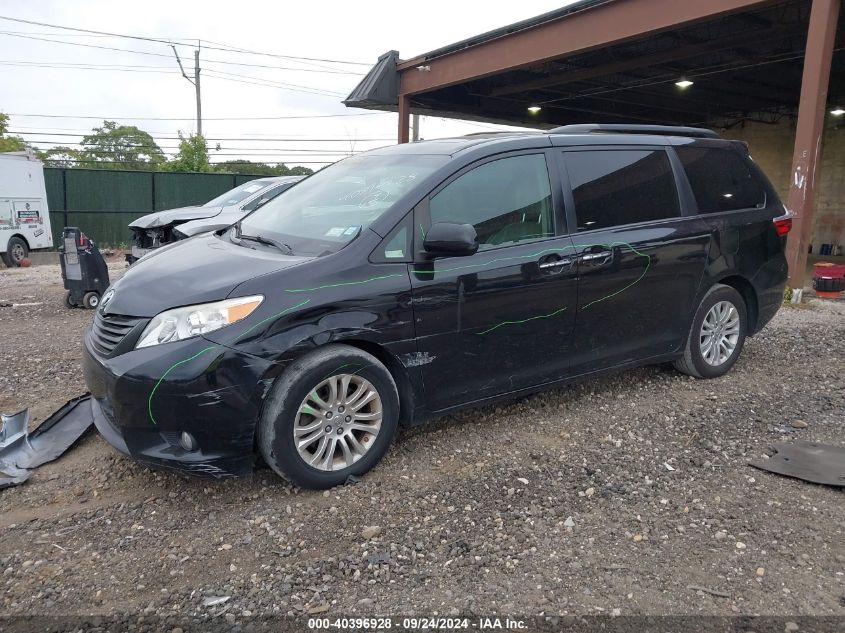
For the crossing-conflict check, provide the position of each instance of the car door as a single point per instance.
(499, 320)
(639, 260)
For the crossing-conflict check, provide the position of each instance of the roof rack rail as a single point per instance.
(622, 128)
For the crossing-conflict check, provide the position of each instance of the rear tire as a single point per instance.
(69, 301)
(717, 334)
(16, 250)
(314, 430)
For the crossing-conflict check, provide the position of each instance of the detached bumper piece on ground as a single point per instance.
(20, 451)
(809, 461)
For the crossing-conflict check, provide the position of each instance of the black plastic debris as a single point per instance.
(816, 463)
(21, 451)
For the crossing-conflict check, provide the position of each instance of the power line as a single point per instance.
(268, 83)
(147, 118)
(90, 66)
(135, 162)
(152, 54)
(122, 70)
(225, 47)
(220, 138)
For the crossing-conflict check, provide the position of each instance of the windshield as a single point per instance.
(327, 210)
(234, 196)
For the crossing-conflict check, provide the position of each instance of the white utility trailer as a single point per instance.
(24, 217)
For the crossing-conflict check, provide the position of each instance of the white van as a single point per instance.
(24, 217)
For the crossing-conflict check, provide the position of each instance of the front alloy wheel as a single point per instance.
(338, 422)
(331, 414)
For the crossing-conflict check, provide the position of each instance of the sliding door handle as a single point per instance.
(555, 263)
(589, 257)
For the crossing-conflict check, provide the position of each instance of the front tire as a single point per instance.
(717, 334)
(331, 414)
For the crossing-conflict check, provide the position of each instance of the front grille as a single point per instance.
(108, 330)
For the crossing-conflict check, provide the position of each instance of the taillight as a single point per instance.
(83, 240)
(783, 226)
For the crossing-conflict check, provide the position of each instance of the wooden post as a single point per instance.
(808, 135)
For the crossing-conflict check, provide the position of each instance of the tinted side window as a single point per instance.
(721, 180)
(507, 201)
(615, 187)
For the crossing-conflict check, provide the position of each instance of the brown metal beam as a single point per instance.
(404, 118)
(655, 59)
(590, 29)
(806, 156)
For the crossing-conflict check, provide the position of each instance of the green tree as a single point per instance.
(60, 156)
(114, 146)
(9, 143)
(262, 169)
(192, 154)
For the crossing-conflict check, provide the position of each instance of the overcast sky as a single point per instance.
(44, 77)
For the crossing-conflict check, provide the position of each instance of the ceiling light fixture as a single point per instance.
(683, 83)
(534, 109)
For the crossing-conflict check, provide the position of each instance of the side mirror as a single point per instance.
(452, 240)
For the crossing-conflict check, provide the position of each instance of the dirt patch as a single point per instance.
(630, 492)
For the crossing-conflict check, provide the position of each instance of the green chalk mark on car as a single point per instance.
(165, 374)
(630, 285)
(270, 318)
(343, 283)
(613, 294)
(534, 318)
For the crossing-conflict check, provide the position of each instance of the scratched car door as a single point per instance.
(500, 320)
(639, 260)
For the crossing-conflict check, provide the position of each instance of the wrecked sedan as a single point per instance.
(408, 282)
(153, 230)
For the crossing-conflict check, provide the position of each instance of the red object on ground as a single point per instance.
(828, 279)
(827, 270)
(26, 262)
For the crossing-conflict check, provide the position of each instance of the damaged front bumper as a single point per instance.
(190, 406)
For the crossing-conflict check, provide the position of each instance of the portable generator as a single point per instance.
(84, 270)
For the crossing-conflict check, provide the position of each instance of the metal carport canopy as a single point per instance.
(619, 60)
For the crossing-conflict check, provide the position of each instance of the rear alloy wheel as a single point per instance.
(717, 334)
(331, 414)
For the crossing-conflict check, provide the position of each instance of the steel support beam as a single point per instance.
(592, 28)
(806, 154)
(404, 117)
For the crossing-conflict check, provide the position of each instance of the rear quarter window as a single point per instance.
(721, 179)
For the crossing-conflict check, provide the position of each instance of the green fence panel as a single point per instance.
(104, 227)
(102, 201)
(174, 190)
(242, 178)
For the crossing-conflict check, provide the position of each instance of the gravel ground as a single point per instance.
(629, 494)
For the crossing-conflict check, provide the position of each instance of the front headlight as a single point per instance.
(182, 323)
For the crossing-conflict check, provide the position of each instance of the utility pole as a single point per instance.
(415, 127)
(197, 86)
(195, 81)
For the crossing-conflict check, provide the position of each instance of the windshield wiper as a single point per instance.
(285, 248)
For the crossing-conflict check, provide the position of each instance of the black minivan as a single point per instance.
(407, 282)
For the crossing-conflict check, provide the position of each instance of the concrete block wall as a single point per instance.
(771, 146)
